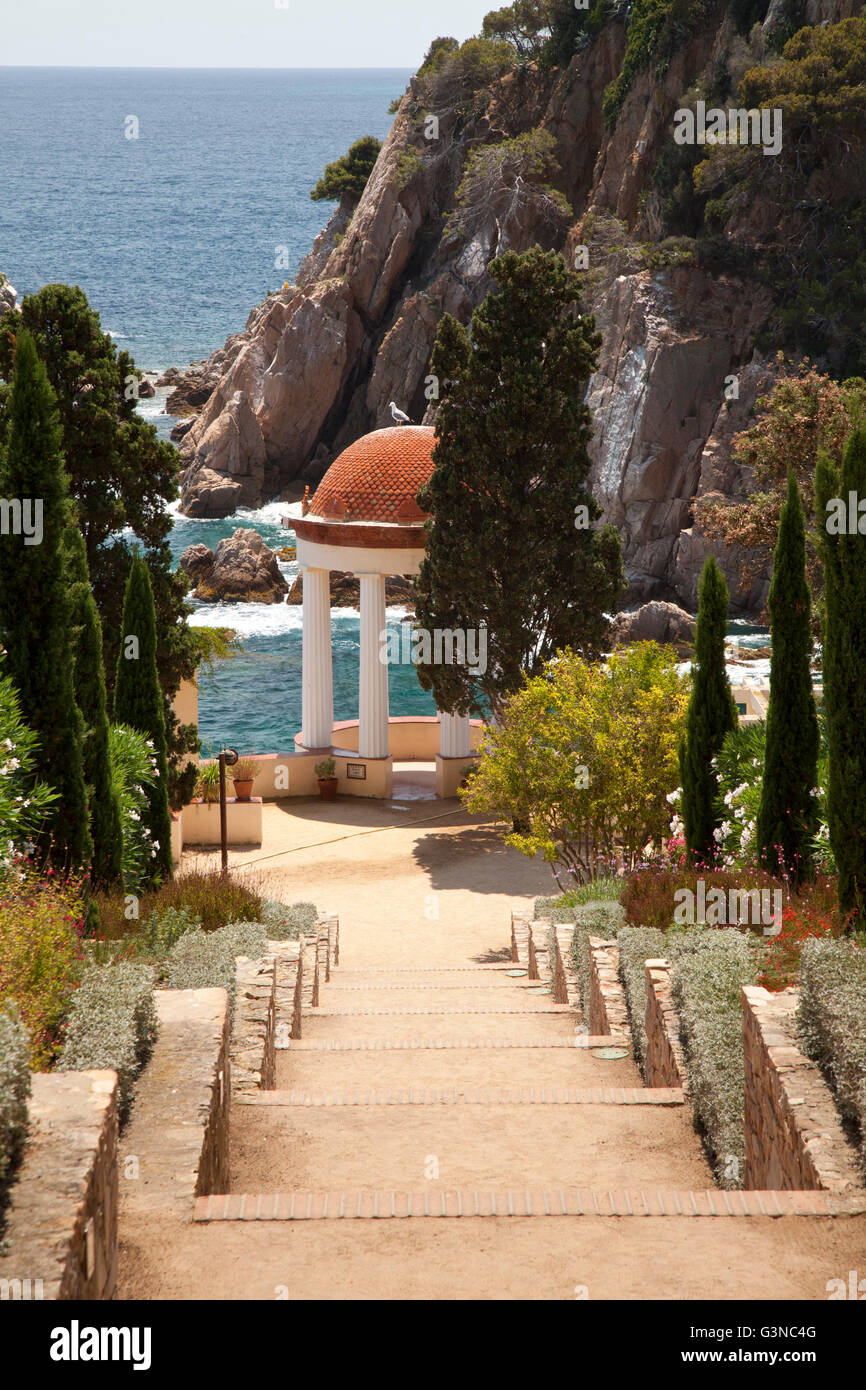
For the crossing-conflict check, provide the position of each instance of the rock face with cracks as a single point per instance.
(243, 570)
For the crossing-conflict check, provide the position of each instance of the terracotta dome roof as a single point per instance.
(377, 477)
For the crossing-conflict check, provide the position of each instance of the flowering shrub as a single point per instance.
(41, 955)
(133, 769)
(800, 923)
(22, 804)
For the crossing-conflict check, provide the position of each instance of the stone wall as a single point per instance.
(794, 1139)
(253, 1060)
(176, 1144)
(608, 1014)
(62, 1221)
(664, 1064)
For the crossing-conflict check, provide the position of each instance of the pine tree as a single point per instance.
(711, 715)
(89, 678)
(844, 668)
(138, 700)
(34, 603)
(512, 542)
(786, 818)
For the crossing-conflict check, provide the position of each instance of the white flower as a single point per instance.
(133, 815)
(156, 844)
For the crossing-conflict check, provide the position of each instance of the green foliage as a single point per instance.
(206, 960)
(41, 922)
(636, 946)
(819, 82)
(438, 52)
(584, 756)
(347, 176)
(786, 818)
(89, 679)
(739, 768)
(132, 773)
(138, 703)
(602, 918)
(325, 769)
(207, 786)
(832, 1022)
(561, 908)
(112, 1025)
(844, 673)
(656, 28)
(120, 475)
(463, 79)
(511, 468)
(711, 714)
(211, 897)
(24, 801)
(166, 926)
(35, 610)
(14, 1089)
(710, 969)
(498, 179)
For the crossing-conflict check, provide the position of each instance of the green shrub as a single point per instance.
(163, 928)
(112, 1024)
(602, 918)
(284, 923)
(213, 898)
(636, 946)
(832, 1021)
(206, 960)
(132, 773)
(561, 908)
(14, 1087)
(41, 956)
(709, 969)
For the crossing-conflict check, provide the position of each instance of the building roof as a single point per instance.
(377, 478)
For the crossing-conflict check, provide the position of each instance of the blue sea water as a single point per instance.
(174, 237)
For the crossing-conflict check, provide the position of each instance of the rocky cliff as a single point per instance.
(678, 372)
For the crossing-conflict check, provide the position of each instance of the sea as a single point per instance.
(177, 199)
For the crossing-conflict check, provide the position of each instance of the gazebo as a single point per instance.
(364, 518)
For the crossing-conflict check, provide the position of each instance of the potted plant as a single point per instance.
(208, 785)
(243, 774)
(326, 773)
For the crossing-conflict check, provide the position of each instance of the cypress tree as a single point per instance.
(844, 666)
(711, 715)
(89, 679)
(786, 818)
(138, 700)
(513, 543)
(35, 606)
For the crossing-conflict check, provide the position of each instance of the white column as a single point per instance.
(317, 681)
(373, 686)
(453, 735)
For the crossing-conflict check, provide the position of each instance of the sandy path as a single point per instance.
(420, 886)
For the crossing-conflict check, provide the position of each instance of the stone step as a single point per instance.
(517, 1202)
(539, 1008)
(472, 1070)
(580, 1040)
(455, 1095)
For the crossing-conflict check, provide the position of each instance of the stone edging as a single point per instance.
(607, 1007)
(794, 1138)
(62, 1218)
(664, 1063)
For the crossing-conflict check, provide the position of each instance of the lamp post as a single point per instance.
(227, 758)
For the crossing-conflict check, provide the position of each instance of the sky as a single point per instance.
(231, 33)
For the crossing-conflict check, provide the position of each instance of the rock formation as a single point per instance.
(243, 570)
(317, 363)
(657, 622)
(346, 591)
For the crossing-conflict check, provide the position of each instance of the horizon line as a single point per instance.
(194, 67)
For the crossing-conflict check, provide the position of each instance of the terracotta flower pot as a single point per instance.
(328, 788)
(244, 790)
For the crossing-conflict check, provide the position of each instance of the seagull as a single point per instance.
(398, 416)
